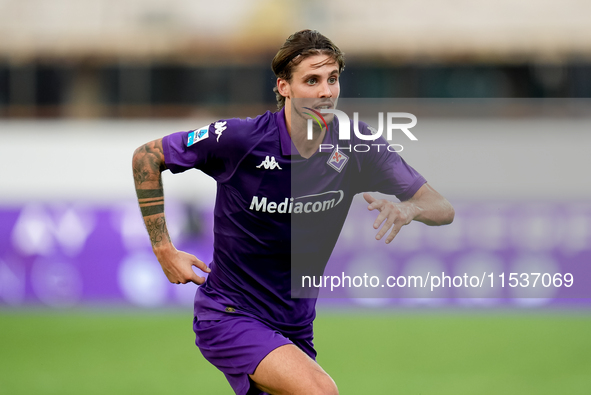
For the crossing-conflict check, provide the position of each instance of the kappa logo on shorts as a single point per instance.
(219, 128)
(197, 135)
(269, 164)
(337, 160)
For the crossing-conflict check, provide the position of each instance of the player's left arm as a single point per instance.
(426, 206)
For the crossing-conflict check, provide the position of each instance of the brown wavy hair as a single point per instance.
(296, 48)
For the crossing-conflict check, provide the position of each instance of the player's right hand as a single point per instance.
(178, 266)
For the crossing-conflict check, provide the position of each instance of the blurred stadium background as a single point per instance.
(502, 91)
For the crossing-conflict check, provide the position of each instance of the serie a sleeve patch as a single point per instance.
(197, 135)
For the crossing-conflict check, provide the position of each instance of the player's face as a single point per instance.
(315, 79)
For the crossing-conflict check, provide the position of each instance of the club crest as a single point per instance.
(337, 160)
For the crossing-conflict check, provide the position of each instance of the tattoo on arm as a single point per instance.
(151, 201)
(157, 230)
(148, 163)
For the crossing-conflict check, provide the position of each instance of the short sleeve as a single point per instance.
(215, 149)
(386, 171)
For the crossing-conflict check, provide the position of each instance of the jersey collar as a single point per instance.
(287, 146)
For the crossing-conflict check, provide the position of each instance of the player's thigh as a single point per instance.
(288, 370)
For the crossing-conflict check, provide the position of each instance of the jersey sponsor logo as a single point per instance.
(337, 160)
(269, 164)
(300, 205)
(219, 128)
(197, 135)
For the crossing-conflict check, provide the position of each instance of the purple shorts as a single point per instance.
(236, 344)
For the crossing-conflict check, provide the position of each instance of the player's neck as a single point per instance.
(297, 129)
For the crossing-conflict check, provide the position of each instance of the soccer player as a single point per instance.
(280, 206)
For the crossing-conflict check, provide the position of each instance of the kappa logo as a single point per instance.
(219, 128)
(337, 160)
(269, 164)
(197, 135)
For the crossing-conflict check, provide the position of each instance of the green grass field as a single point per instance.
(451, 352)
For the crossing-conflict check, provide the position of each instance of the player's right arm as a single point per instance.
(148, 165)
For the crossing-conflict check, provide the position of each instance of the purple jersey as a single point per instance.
(276, 211)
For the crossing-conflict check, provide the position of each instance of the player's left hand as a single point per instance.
(395, 215)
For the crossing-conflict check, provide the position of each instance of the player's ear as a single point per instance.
(283, 87)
